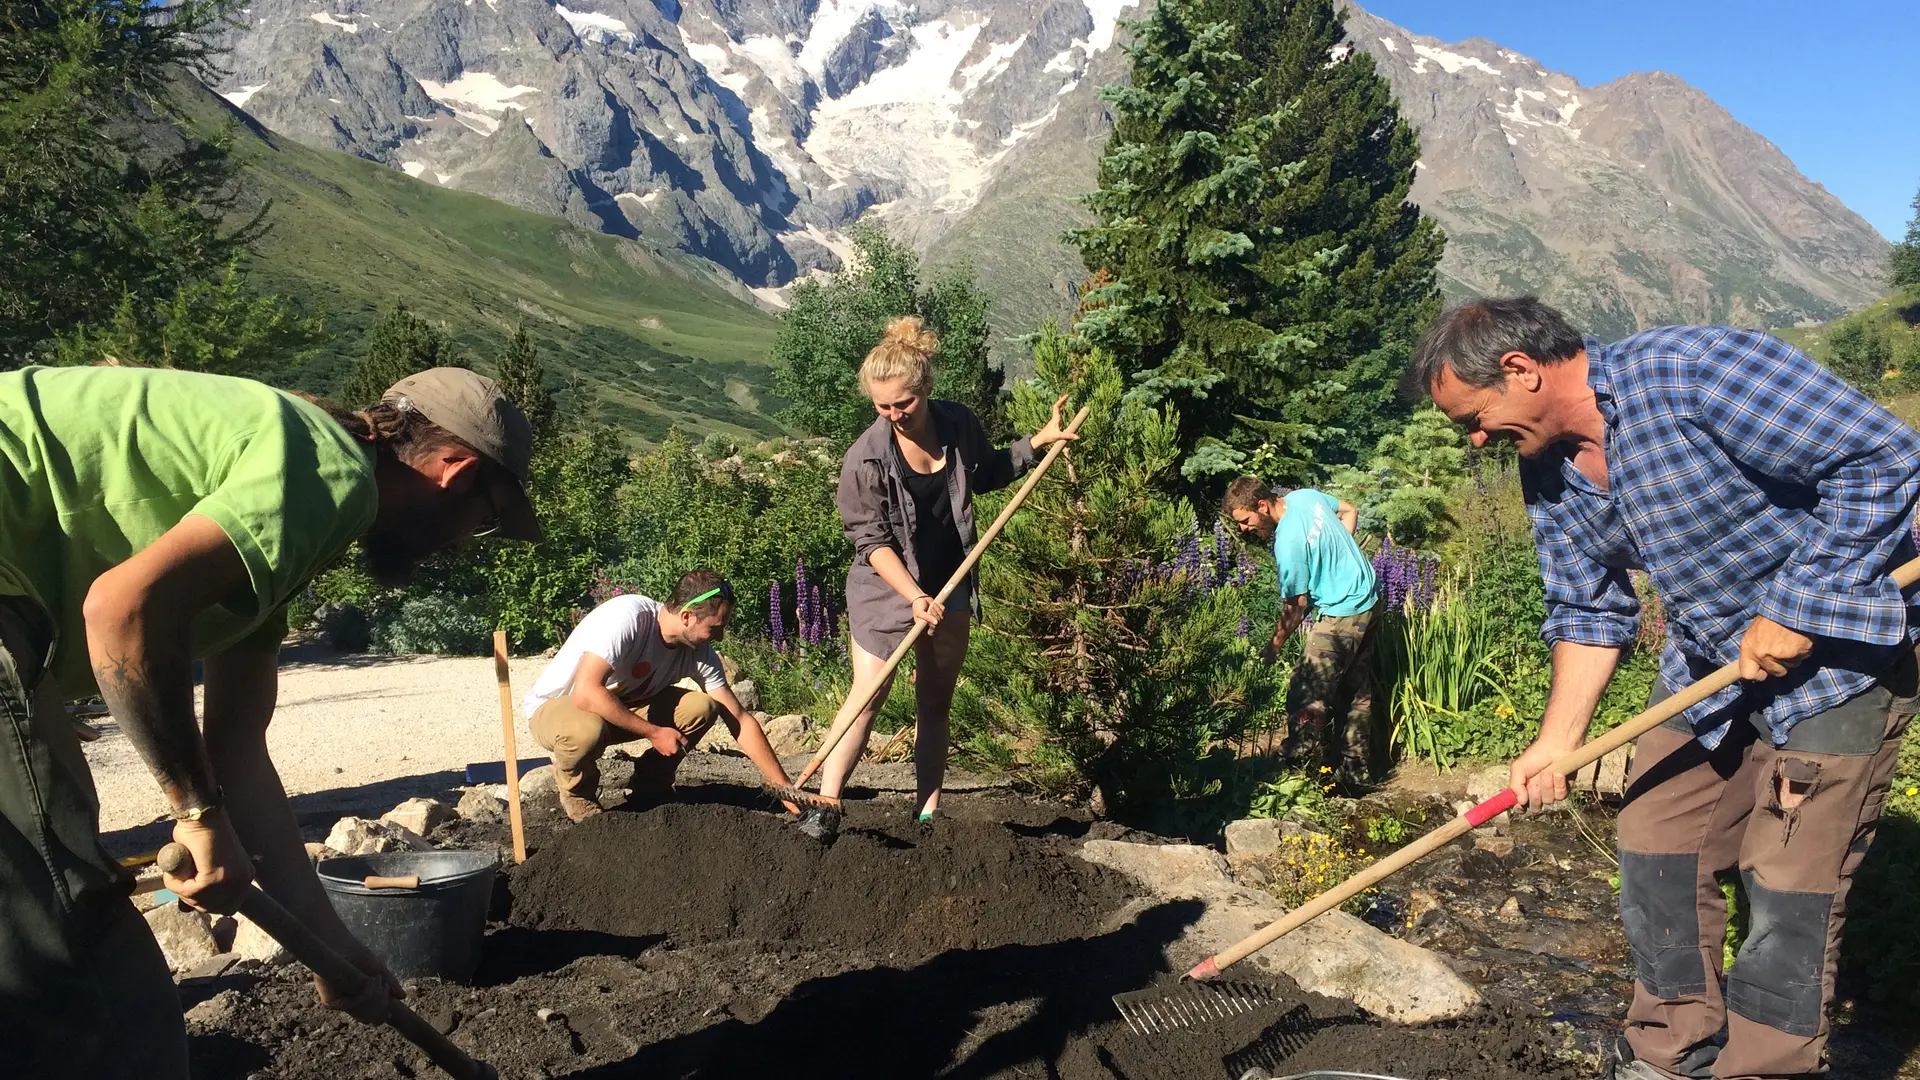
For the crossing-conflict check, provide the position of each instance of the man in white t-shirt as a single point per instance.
(614, 682)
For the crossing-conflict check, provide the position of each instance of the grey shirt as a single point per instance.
(877, 511)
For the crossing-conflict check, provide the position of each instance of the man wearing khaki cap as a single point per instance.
(149, 518)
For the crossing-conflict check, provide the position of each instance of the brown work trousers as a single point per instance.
(577, 738)
(1694, 814)
(1330, 697)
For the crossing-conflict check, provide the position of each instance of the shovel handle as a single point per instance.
(863, 690)
(1566, 765)
(335, 970)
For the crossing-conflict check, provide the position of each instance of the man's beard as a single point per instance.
(391, 554)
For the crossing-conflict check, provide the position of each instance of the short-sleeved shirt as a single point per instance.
(1315, 556)
(96, 463)
(625, 632)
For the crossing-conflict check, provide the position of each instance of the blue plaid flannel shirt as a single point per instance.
(1746, 480)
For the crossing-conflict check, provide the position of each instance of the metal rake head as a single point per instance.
(800, 796)
(1170, 1008)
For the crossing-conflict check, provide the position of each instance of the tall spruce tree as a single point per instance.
(401, 343)
(523, 380)
(1906, 254)
(1268, 275)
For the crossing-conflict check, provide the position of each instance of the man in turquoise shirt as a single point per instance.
(1319, 566)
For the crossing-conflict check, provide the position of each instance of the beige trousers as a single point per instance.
(577, 738)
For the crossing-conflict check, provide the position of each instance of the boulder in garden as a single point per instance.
(718, 740)
(358, 836)
(419, 816)
(252, 943)
(1335, 954)
(788, 734)
(479, 804)
(748, 693)
(537, 784)
(1253, 836)
(185, 936)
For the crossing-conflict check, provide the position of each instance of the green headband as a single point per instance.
(708, 595)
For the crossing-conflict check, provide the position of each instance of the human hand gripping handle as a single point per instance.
(1565, 765)
(339, 973)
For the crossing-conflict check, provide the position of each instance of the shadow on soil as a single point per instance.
(1030, 1001)
(514, 952)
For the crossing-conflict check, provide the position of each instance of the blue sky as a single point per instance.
(1834, 86)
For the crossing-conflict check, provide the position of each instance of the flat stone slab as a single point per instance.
(1335, 954)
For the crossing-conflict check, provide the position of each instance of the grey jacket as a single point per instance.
(876, 511)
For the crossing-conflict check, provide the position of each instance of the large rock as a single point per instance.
(537, 784)
(418, 816)
(358, 836)
(1335, 954)
(252, 943)
(480, 804)
(185, 936)
(718, 740)
(788, 734)
(1253, 836)
(748, 693)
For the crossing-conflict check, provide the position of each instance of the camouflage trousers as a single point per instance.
(1330, 699)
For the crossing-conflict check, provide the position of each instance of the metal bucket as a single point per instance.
(432, 930)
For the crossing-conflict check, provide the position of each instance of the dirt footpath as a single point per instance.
(395, 723)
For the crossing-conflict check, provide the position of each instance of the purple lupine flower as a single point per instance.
(819, 612)
(778, 618)
(1246, 627)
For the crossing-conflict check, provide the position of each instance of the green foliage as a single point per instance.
(436, 623)
(1267, 274)
(1859, 352)
(1387, 830)
(401, 344)
(1130, 664)
(1882, 946)
(523, 378)
(1292, 794)
(1904, 264)
(214, 326)
(748, 514)
(1440, 662)
(102, 197)
(1406, 491)
(831, 327)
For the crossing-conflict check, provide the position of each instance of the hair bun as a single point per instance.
(910, 332)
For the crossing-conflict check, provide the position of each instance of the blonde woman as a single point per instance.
(906, 502)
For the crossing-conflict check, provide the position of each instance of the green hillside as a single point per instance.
(1897, 316)
(658, 338)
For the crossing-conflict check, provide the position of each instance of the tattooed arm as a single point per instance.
(139, 619)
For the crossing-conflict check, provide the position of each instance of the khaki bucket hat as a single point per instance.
(472, 409)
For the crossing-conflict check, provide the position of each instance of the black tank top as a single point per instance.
(936, 538)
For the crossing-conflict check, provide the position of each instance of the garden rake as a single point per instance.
(863, 691)
(1199, 998)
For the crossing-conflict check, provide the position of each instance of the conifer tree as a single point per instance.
(523, 380)
(1906, 253)
(1115, 621)
(1268, 275)
(400, 344)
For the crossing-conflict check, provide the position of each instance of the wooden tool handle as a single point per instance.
(334, 969)
(1566, 765)
(862, 693)
(375, 881)
(513, 754)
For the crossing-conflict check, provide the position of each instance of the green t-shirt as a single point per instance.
(1317, 557)
(96, 463)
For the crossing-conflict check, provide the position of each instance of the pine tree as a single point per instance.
(522, 378)
(1268, 274)
(831, 325)
(401, 344)
(1906, 253)
(1114, 620)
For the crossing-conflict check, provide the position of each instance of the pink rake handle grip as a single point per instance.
(1492, 808)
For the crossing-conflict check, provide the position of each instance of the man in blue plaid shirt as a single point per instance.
(1769, 502)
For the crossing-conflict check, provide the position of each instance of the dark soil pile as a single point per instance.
(712, 873)
(708, 942)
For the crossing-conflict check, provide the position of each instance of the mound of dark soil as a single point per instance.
(712, 873)
(708, 942)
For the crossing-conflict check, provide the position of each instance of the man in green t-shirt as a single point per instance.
(1319, 566)
(149, 518)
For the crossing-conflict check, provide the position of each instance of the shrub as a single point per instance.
(436, 623)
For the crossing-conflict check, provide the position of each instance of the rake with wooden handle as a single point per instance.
(320, 958)
(863, 690)
(1180, 1006)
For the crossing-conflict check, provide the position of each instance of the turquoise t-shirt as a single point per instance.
(1317, 557)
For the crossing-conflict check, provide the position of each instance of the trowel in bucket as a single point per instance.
(1165, 1009)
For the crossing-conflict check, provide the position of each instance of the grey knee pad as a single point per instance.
(1777, 979)
(1659, 907)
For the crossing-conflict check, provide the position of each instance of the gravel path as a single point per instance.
(349, 722)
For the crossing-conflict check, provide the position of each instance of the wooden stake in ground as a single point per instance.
(862, 693)
(513, 755)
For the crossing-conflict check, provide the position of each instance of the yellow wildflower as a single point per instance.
(1912, 791)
